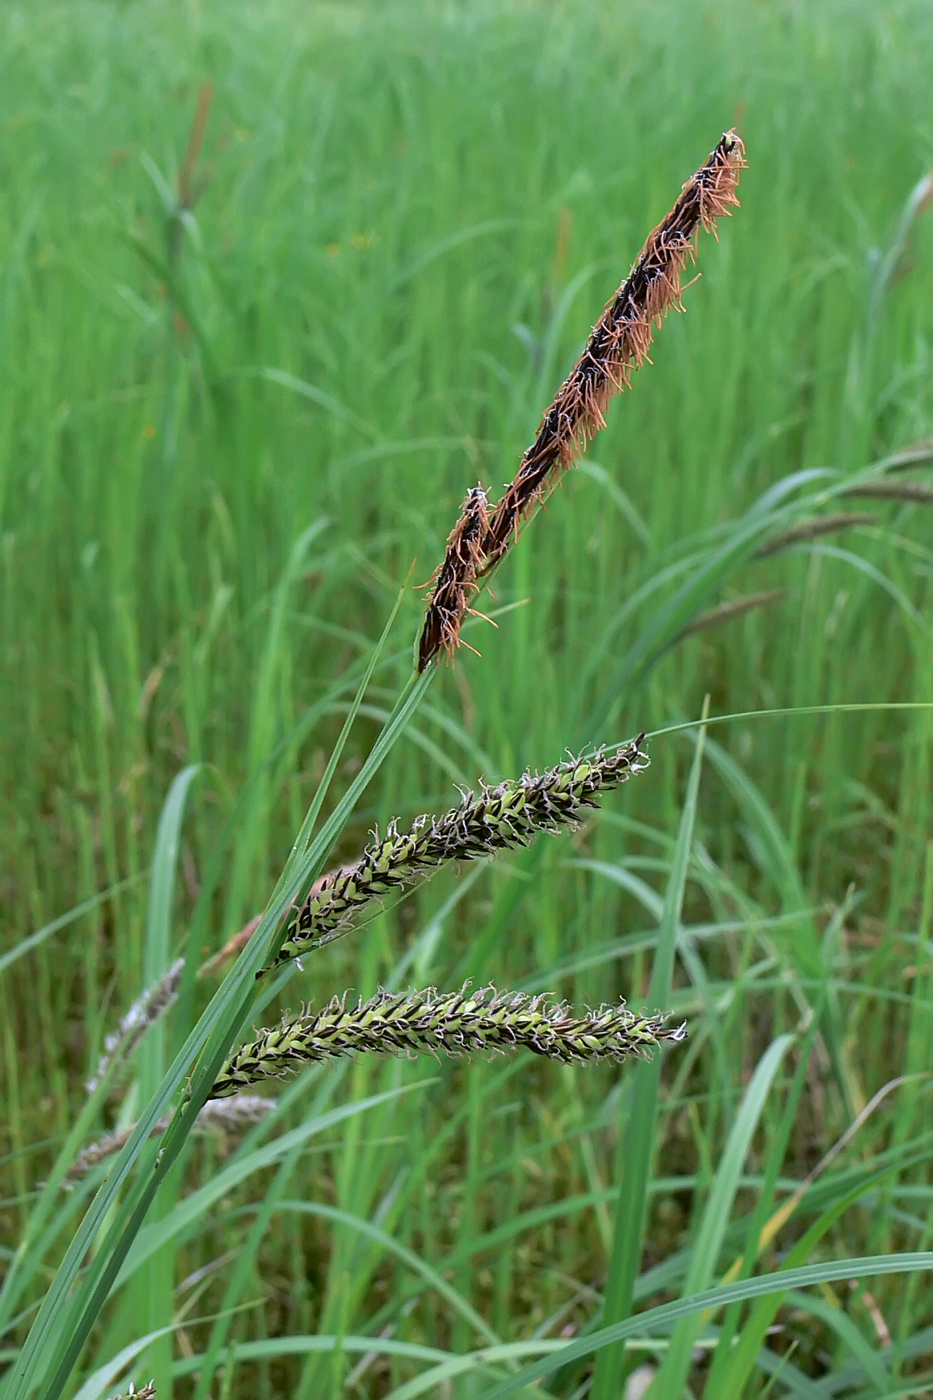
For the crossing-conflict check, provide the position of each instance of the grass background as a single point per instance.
(223, 440)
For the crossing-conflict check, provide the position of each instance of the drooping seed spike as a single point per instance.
(496, 819)
(460, 1022)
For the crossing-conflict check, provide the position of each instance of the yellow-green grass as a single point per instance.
(222, 444)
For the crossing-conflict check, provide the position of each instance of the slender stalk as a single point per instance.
(812, 529)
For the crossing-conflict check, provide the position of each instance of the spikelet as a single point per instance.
(229, 1116)
(499, 818)
(144, 1012)
(736, 607)
(454, 581)
(812, 529)
(913, 491)
(458, 1023)
(619, 343)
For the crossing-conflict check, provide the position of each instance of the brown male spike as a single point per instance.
(618, 344)
(454, 580)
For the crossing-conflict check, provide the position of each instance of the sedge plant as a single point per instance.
(297, 920)
(122, 1228)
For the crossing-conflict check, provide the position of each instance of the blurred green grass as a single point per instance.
(411, 216)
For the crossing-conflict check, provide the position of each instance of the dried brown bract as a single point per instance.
(618, 344)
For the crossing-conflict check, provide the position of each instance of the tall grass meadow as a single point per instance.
(282, 285)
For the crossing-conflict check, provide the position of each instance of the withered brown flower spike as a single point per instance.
(455, 580)
(618, 344)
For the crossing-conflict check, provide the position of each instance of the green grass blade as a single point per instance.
(192, 1208)
(672, 1375)
(669, 619)
(739, 1363)
(656, 1320)
(212, 1036)
(636, 1148)
(157, 957)
(101, 1381)
(153, 1304)
(247, 1262)
(431, 1277)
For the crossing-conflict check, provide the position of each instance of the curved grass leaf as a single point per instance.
(672, 1376)
(636, 1145)
(64, 1322)
(657, 1320)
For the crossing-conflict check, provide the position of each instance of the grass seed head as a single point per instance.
(144, 1012)
(618, 344)
(458, 1023)
(812, 529)
(230, 1116)
(496, 819)
(454, 581)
